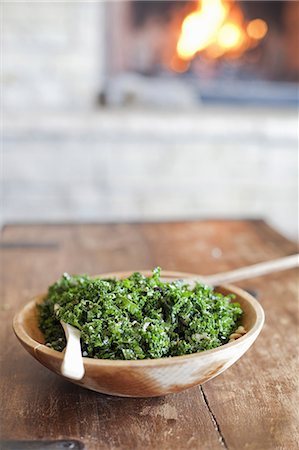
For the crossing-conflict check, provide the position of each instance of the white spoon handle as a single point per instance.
(72, 365)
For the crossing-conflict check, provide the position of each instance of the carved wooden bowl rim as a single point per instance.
(26, 317)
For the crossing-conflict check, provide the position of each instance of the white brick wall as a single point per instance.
(64, 161)
(138, 165)
(52, 54)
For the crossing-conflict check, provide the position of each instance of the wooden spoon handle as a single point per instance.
(255, 270)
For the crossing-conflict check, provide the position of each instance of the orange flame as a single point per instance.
(218, 27)
(257, 29)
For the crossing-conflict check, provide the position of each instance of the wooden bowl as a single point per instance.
(150, 377)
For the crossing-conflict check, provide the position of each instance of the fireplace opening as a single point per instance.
(187, 52)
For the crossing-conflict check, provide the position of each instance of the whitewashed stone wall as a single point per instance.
(64, 160)
(53, 55)
(137, 165)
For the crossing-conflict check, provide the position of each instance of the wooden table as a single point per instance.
(253, 405)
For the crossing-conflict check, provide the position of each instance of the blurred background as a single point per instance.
(139, 110)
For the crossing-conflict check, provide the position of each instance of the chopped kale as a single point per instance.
(138, 317)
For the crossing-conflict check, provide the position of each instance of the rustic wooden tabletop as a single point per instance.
(252, 405)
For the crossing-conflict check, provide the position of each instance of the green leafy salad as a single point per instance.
(138, 317)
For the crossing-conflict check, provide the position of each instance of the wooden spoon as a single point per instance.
(256, 270)
(72, 365)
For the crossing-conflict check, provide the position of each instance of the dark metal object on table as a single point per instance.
(28, 245)
(41, 445)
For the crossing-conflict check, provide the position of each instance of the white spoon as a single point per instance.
(72, 365)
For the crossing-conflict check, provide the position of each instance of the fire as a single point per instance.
(199, 28)
(257, 29)
(229, 36)
(218, 27)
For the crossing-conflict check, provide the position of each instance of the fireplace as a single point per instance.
(183, 53)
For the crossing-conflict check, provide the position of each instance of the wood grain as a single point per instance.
(253, 405)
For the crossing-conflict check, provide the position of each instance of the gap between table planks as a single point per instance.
(252, 405)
